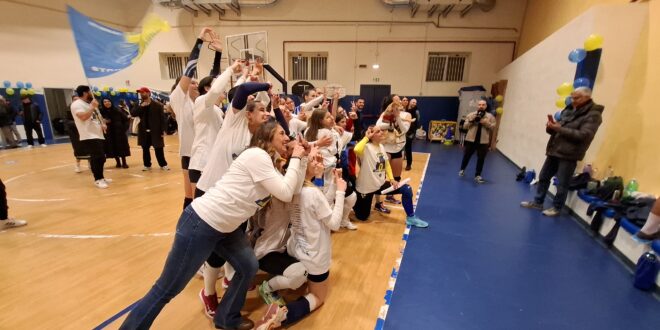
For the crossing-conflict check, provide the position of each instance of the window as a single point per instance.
(447, 66)
(172, 65)
(308, 66)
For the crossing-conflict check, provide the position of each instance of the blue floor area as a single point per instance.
(486, 263)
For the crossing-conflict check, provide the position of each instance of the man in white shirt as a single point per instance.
(90, 126)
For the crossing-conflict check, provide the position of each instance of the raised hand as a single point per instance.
(339, 182)
(203, 33)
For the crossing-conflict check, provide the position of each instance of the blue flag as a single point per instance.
(104, 50)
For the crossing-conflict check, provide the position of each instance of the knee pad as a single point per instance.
(297, 275)
(406, 191)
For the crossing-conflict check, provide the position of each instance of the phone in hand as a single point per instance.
(551, 119)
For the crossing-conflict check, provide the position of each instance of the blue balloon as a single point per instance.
(577, 55)
(581, 82)
(95, 88)
(20, 84)
(7, 83)
(104, 94)
(110, 89)
(558, 116)
(568, 101)
(28, 85)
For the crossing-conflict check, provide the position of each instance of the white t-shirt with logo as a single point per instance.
(238, 195)
(183, 106)
(398, 136)
(233, 138)
(372, 173)
(207, 121)
(87, 129)
(310, 240)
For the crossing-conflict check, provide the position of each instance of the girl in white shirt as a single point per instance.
(211, 224)
(312, 220)
(376, 175)
(395, 123)
(321, 124)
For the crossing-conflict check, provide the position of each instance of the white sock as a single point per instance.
(210, 277)
(311, 298)
(652, 224)
(349, 202)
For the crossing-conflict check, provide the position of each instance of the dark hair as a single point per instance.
(314, 124)
(339, 117)
(387, 101)
(205, 82)
(307, 92)
(230, 94)
(263, 137)
(176, 82)
(82, 89)
(360, 98)
(251, 106)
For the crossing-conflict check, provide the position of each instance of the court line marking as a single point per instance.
(156, 186)
(87, 236)
(37, 200)
(382, 313)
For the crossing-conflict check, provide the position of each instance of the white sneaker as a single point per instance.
(461, 173)
(349, 225)
(12, 223)
(43, 145)
(146, 168)
(165, 168)
(107, 180)
(101, 184)
(77, 169)
(29, 146)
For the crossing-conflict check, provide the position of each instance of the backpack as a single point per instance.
(606, 191)
(646, 271)
(530, 176)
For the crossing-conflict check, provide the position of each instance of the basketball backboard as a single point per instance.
(248, 46)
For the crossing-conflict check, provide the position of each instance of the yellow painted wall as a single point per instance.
(632, 141)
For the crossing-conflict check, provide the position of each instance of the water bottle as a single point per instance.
(631, 188)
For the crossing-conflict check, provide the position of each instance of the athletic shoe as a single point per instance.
(146, 168)
(100, 184)
(165, 168)
(77, 169)
(408, 168)
(124, 166)
(478, 179)
(461, 173)
(381, 208)
(349, 225)
(29, 146)
(43, 145)
(107, 180)
(12, 223)
(118, 166)
(531, 205)
(416, 222)
(268, 296)
(551, 212)
(210, 303)
(391, 199)
(273, 318)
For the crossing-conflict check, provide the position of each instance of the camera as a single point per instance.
(480, 115)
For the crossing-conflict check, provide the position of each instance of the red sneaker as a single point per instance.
(210, 303)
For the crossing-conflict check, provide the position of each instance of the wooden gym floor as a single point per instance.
(87, 254)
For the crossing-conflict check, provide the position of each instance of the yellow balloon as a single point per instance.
(113, 93)
(565, 89)
(106, 88)
(561, 103)
(31, 92)
(593, 42)
(499, 98)
(499, 111)
(9, 91)
(24, 92)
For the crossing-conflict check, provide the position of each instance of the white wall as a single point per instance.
(42, 41)
(534, 77)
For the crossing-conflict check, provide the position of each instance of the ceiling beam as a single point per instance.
(203, 9)
(447, 9)
(432, 10)
(190, 10)
(466, 10)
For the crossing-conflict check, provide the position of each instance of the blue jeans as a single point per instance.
(561, 168)
(193, 243)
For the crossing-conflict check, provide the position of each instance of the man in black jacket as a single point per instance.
(570, 138)
(31, 121)
(5, 124)
(151, 128)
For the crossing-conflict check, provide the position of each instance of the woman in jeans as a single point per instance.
(211, 224)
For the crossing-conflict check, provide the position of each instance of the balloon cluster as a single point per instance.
(499, 110)
(24, 89)
(111, 92)
(593, 42)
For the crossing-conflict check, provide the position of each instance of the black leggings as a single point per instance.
(4, 208)
(470, 148)
(96, 163)
(409, 159)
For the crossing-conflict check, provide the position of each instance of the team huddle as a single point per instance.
(266, 184)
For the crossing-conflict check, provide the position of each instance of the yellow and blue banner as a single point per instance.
(104, 50)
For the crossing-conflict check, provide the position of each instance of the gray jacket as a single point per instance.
(578, 128)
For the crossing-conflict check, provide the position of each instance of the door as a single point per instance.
(373, 99)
